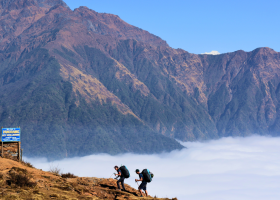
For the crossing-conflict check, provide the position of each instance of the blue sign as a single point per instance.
(10, 134)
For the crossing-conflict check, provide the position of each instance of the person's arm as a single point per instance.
(141, 179)
(119, 173)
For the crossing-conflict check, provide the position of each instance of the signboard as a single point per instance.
(10, 134)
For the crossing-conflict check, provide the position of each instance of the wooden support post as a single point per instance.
(2, 143)
(21, 155)
(18, 151)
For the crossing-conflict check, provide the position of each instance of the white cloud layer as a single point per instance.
(228, 168)
(212, 53)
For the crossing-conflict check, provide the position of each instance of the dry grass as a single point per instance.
(55, 170)
(19, 177)
(19, 170)
(28, 164)
(22, 182)
(91, 88)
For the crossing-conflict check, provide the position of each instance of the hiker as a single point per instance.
(120, 174)
(143, 185)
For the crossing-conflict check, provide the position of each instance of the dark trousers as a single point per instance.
(122, 181)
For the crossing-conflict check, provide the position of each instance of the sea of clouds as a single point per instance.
(225, 169)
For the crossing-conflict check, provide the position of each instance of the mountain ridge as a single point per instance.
(81, 82)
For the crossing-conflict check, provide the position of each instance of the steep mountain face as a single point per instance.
(244, 91)
(46, 89)
(81, 82)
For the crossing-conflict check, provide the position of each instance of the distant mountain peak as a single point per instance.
(53, 2)
(18, 4)
(264, 50)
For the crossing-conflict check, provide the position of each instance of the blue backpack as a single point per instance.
(125, 171)
(147, 175)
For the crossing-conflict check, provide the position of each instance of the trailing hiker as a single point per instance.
(145, 176)
(122, 173)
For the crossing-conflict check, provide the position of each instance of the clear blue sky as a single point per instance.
(199, 26)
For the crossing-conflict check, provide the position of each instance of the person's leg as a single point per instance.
(141, 192)
(146, 192)
(145, 189)
(140, 189)
(118, 183)
(122, 181)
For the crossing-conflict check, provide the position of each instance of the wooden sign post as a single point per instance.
(2, 147)
(11, 145)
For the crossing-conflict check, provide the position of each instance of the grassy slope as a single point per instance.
(20, 181)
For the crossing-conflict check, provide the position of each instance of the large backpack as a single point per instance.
(125, 172)
(147, 175)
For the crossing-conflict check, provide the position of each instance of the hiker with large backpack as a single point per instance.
(122, 173)
(145, 176)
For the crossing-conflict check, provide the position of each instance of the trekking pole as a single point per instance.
(112, 175)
